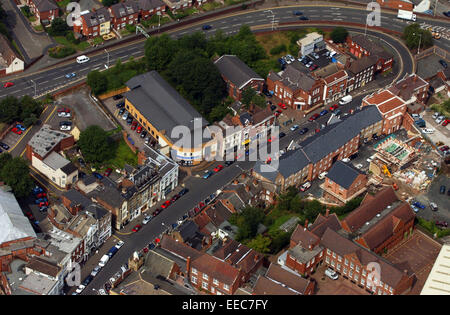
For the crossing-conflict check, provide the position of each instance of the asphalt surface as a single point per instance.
(54, 78)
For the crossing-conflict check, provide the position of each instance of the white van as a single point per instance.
(322, 175)
(103, 261)
(82, 59)
(346, 99)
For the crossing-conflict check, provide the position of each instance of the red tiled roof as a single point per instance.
(178, 248)
(304, 238)
(266, 286)
(322, 223)
(289, 279)
(385, 228)
(216, 268)
(370, 208)
(385, 101)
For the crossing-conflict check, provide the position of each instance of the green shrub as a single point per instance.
(61, 51)
(278, 49)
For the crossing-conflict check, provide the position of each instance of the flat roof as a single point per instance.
(438, 281)
(46, 139)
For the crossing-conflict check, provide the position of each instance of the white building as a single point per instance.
(310, 42)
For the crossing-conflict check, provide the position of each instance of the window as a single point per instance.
(205, 285)
(226, 287)
(327, 260)
(338, 267)
(345, 270)
(356, 277)
(194, 271)
(352, 265)
(205, 276)
(194, 280)
(357, 268)
(362, 281)
(216, 282)
(346, 261)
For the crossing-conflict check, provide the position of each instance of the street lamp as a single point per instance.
(107, 62)
(420, 40)
(34, 87)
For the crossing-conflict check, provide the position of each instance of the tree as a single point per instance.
(247, 95)
(339, 34)
(248, 222)
(9, 109)
(260, 243)
(2, 12)
(58, 27)
(279, 240)
(414, 36)
(96, 145)
(16, 174)
(259, 101)
(159, 52)
(97, 81)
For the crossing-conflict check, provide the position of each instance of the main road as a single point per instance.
(53, 78)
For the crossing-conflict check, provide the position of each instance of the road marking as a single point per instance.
(116, 237)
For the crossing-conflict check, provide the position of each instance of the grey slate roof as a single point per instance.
(96, 211)
(188, 229)
(160, 103)
(77, 198)
(150, 4)
(69, 168)
(363, 63)
(55, 161)
(45, 5)
(123, 9)
(98, 17)
(235, 70)
(294, 78)
(344, 174)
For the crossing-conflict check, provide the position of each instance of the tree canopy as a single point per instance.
(414, 36)
(58, 27)
(16, 174)
(25, 109)
(96, 145)
(339, 34)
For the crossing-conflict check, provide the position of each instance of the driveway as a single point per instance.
(31, 44)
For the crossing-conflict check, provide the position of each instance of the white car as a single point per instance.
(125, 115)
(315, 56)
(65, 128)
(119, 244)
(359, 166)
(305, 186)
(439, 119)
(64, 114)
(322, 175)
(102, 292)
(294, 127)
(346, 160)
(80, 289)
(330, 273)
(96, 270)
(415, 208)
(370, 159)
(427, 130)
(146, 219)
(435, 115)
(415, 116)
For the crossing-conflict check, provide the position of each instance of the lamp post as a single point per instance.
(420, 40)
(34, 87)
(107, 62)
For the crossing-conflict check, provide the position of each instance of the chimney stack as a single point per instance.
(327, 213)
(247, 188)
(306, 224)
(414, 78)
(188, 266)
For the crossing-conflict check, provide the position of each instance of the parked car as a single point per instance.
(166, 204)
(305, 186)
(445, 123)
(17, 130)
(117, 97)
(282, 105)
(442, 189)
(314, 117)
(447, 13)
(322, 175)
(324, 112)
(294, 127)
(143, 134)
(334, 107)
(414, 208)
(65, 128)
(303, 131)
(330, 273)
(439, 119)
(139, 129)
(97, 175)
(88, 280)
(107, 172)
(345, 100)
(4, 146)
(136, 228)
(282, 134)
(80, 289)
(8, 84)
(206, 27)
(208, 174)
(201, 205)
(119, 244)
(419, 205)
(125, 116)
(433, 206)
(121, 111)
(443, 63)
(218, 168)
(95, 271)
(134, 125)
(428, 130)
(441, 223)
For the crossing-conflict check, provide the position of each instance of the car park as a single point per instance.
(330, 273)
(305, 186)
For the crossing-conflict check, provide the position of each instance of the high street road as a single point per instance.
(53, 78)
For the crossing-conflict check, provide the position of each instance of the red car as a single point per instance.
(314, 117)
(134, 125)
(16, 131)
(201, 205)
(145, 249)
(165, 204)
(317, 130)
(107, 172)
(42, 204)
(441, 223)
(63, 110)
(282, 105)
(139, 129)
(8, 84)
(444, 148)
(157, 240)
(218, 168)
(334, 107)
(445, 123)
(137, 227)
(41, 195)
(196, 209)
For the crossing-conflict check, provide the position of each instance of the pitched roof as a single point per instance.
(45, 5)
(7, 54)
(294, 78)
(343, 174)
(408, 86)
(370, 46)
(44, 266)
(216, 268)
(322, 223)
(385, 228)
(178, 248)
(235, 70)
(303, 237)
(158, 264)
(363, 63)
(369, 209)
(69, 168)
(265, 286)
(97, 17)
(77, 198)
(288, 279)
(160, 103)
(150, 4)
(343, 247)
(122, 9)
(13, 223)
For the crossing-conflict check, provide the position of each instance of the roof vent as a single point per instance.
(367, 223)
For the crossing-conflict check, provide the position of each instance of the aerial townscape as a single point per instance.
(224, 147)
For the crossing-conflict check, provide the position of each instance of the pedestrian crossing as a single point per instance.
(444, 31)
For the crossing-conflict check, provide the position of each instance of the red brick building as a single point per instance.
(396, 4)
(335, 82)
(44, 10)
(343, 183)
(238, 76)
(124, 13)
(148, 8)
(381, 221)
(295, 87)
(278, 281)
(94, 23)
(360, 46)
(411, 89)
(361, 71)
(390, 106)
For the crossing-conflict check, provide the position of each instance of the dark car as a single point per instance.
(303, 18)
(4, 146)
(129, 120)
(206, 27)
(120, 105)
(81, 161)
(447, 14)
(117, 97)
(324, 112)
(65, 123)
(443, 63)
(97, 175)
(442, 189)
(298, 13)
(273, 107)
(87, 280)
(121, 111)
(282, 134)
(267, 93)
(143, 134)
(303, 131)
(183, 192)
